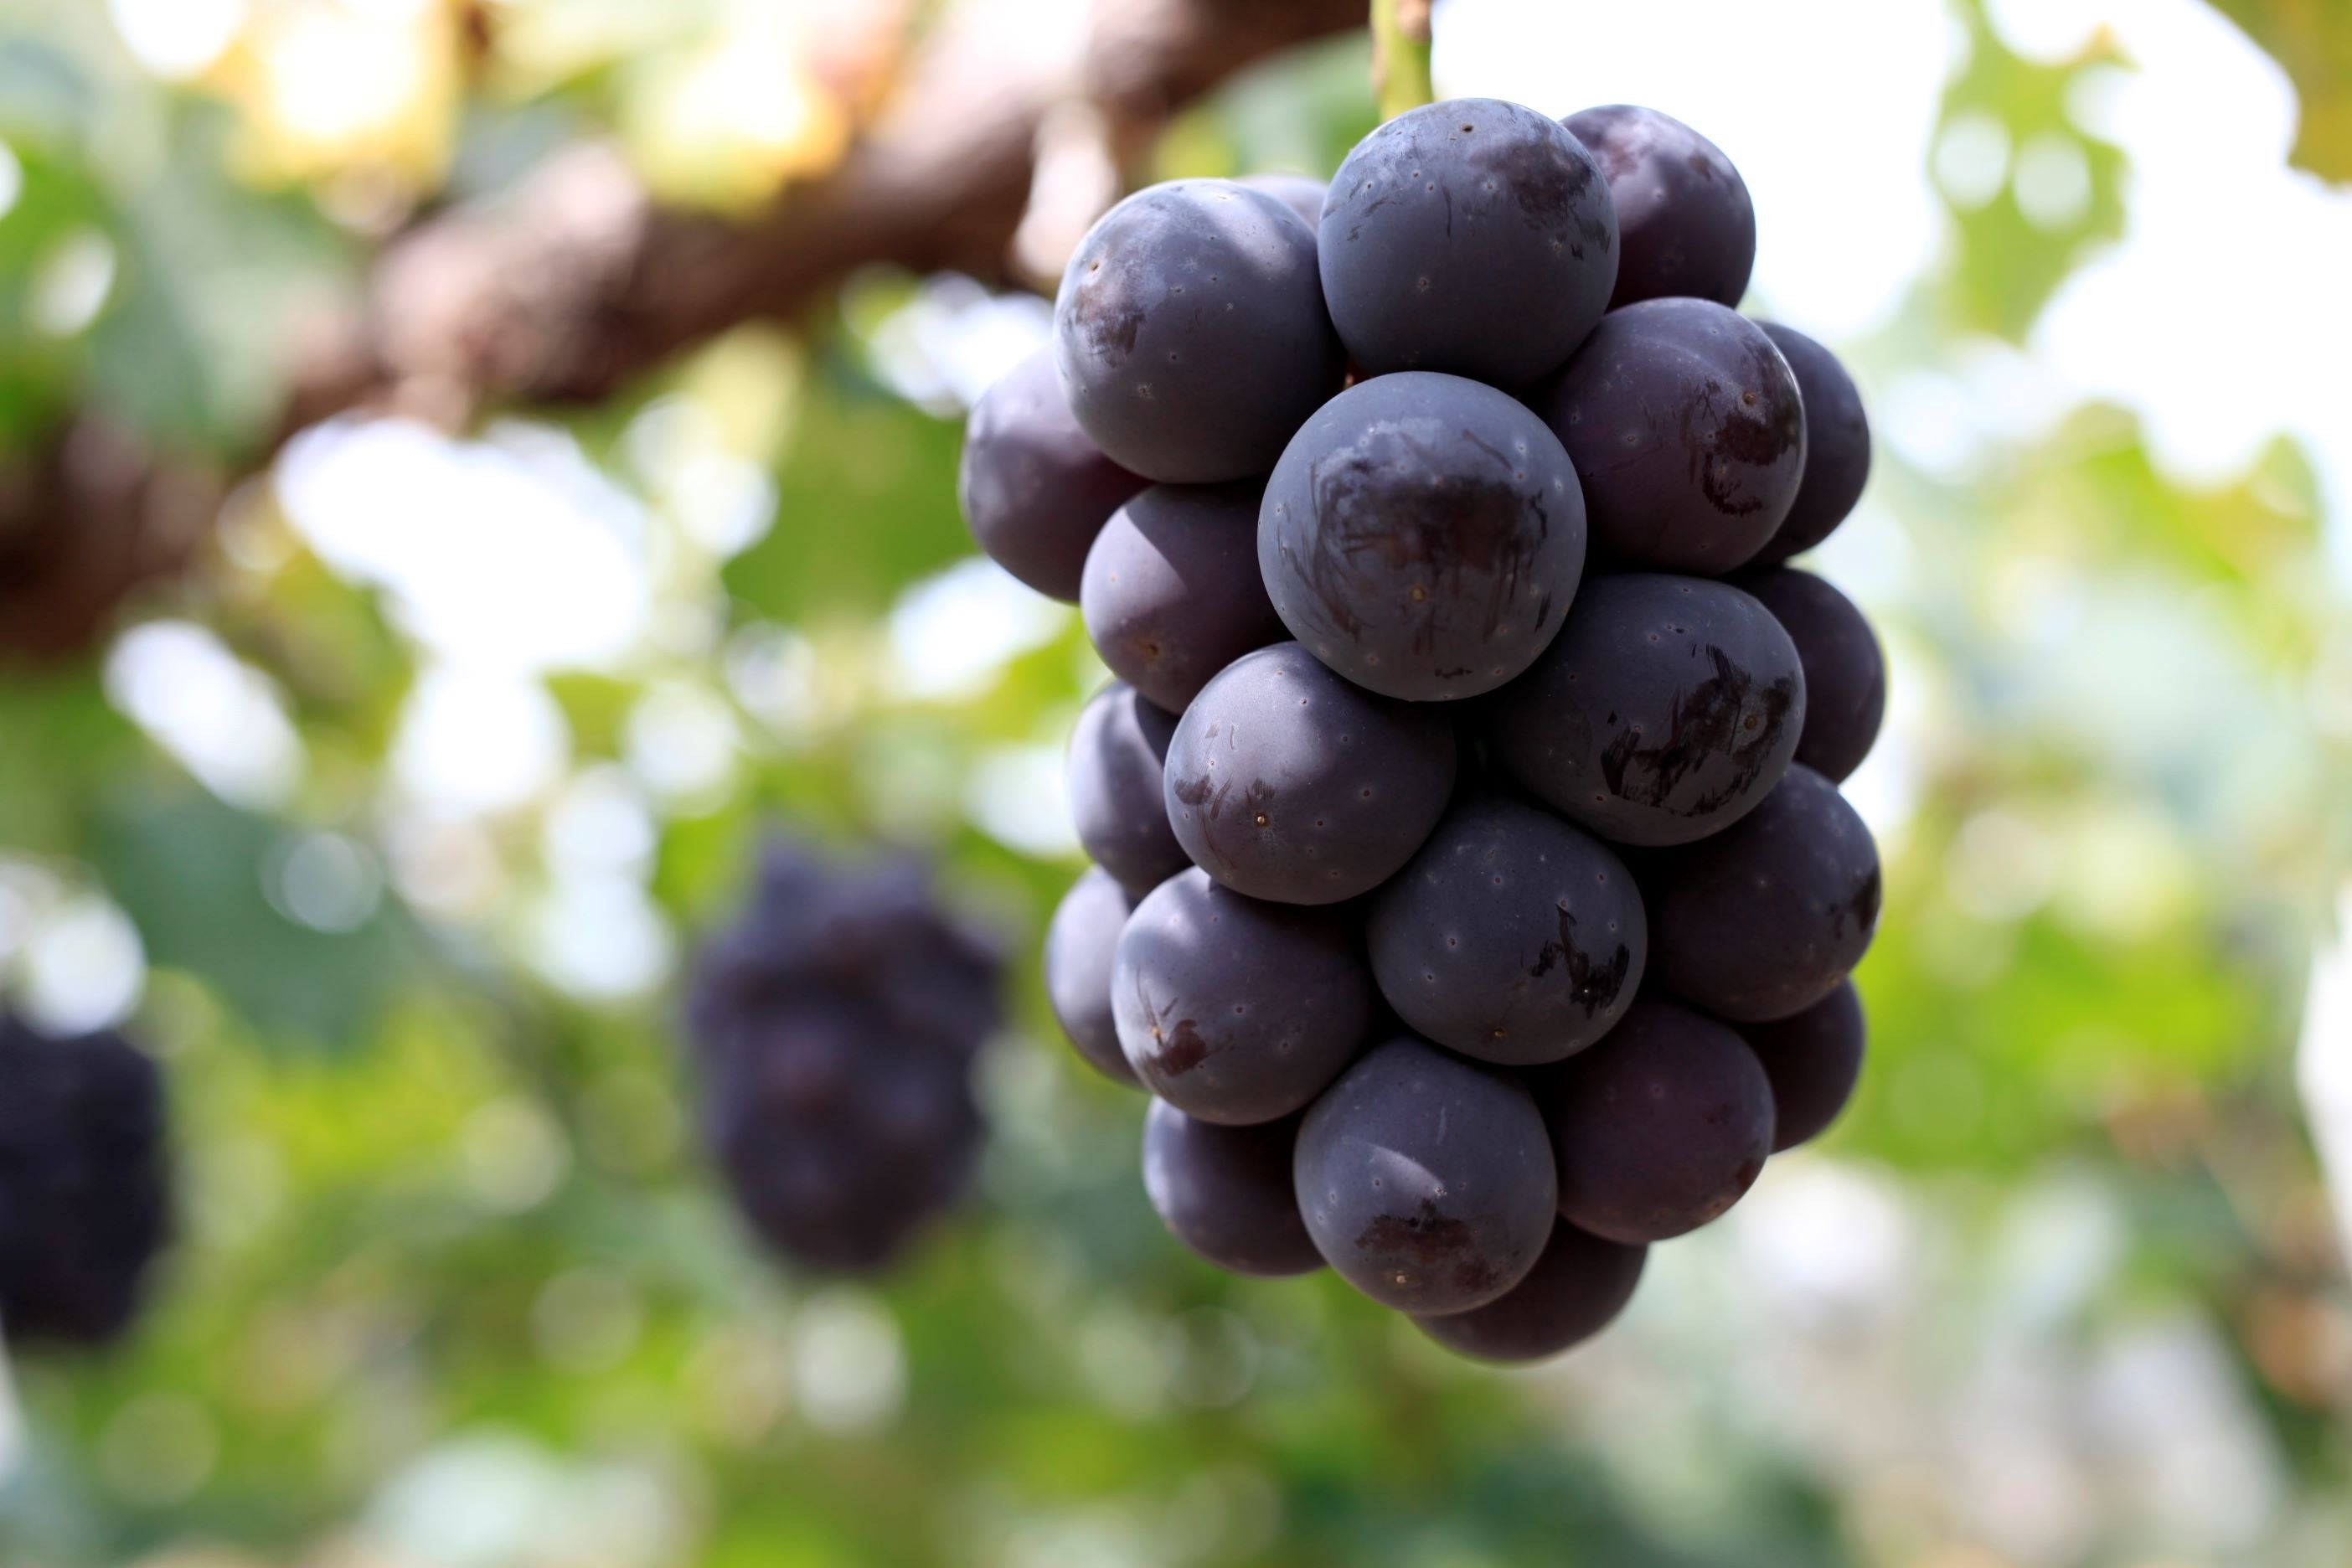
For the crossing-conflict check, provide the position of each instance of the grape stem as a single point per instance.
(1401, 55)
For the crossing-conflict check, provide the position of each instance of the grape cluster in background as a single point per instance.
(84, 1183)
(836, 1025)
(1473, 891)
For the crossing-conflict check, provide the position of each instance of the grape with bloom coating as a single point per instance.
(1665, 711)
(1423, 535)
(1813, 1059)
(1234, 1010)
(1474, 236)
(1302, 194)
(1685, 223)
(1227, 1193)
(1173, 593)
(1426, 1181)
(1837, 446)
(1658, 1129)
(1688, 432)
(1116, 779)
(1576, 1289)
(1286, 783)
(1763, 919)
(1510, 937)
(1035, 490)
(1845, 675)
(1190, 331)
(1080, 944)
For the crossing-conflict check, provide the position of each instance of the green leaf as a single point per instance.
(2313, 40)
(864, 503)
(193, 874)
(2009, 262)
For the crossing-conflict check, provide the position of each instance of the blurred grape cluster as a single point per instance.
(373, 754)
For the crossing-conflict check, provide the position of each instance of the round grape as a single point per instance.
(1118, 793)
(1665, 711)
(1423, 535)
(1080, 944)
(1302, 194)
(1173, 593)
(1474, 236)
(1190, 334)
(1658, 1129)
(1687, 431)
(1227, 1193)
(1684, 223)
(1576, 1289)
(1837, 446)
(1845, 675)
(1035, 490)
(1286, 783)
(1510, 937)
(1426, 1181)
(1236, 1011)
(1763, 919)
(1813, 1059)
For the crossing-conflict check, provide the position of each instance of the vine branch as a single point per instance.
(575, 283)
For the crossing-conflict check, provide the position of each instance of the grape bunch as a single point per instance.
(84, 1183)
(836, 1023)
(1472, 891)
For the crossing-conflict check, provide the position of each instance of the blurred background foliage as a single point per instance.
(465, 469)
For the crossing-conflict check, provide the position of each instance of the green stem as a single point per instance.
(1401, 55)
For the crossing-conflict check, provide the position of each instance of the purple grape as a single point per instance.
(1837, 446)
(1080, 944)
(85, 1182)
(1665, 711)
(836, 1025)
(1576, 1289)
(1813, 1059)
(1236, 1011)
(1510, 937)
(1286, 783)
(1658, 1129)
(1766, 918)
(1845, 675)
(1684, 223)
(1173, 593)
(1426, 1181)
(1302, 194)
(836, 1158)
(1688, 430)
(1119, 749)
(1227, 1193)
(1035, 490)
(1190, 334)
(1423, 535)
(1473, 236)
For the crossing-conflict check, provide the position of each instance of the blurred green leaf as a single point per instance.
(2013, 249)
(59, 206)
(57, 735)
(865, 502)
(193, 874)
(2313, 40)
